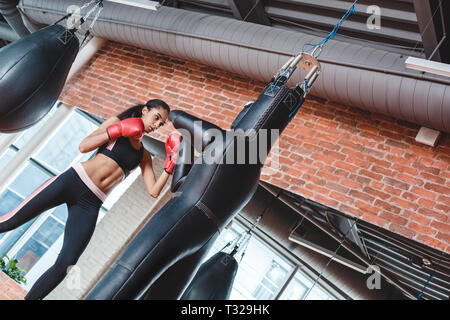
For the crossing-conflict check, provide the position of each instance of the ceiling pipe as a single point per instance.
(371, 79)
(7, 33)
(8, 8)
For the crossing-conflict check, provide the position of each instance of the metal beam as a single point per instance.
(445, 46)
(173, 3)
(345, 244)
(429, 18)
(392, 12)
(250, 11)
(143, 4)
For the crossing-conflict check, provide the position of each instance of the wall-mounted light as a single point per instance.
(439, 68)
(145, 4)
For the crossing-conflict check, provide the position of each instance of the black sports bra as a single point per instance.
(122, 152)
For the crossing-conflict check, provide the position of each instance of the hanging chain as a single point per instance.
(99, 7)
(245, 239)
(75, 19)
(331, 258)
(88, 4)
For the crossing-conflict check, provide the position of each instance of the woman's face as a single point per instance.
(154, 118)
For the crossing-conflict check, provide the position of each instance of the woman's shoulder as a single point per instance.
(113, 119)
(109, 121)
(146, 158)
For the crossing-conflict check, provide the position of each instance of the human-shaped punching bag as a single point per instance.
(219, 184)
(33, 71)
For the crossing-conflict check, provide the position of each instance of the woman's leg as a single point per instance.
(79, 228)
(48, 195)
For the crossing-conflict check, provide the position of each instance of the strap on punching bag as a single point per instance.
(198, 129)
(194, 133)
(184, 163)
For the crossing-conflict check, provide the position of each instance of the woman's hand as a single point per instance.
(172, 145)
(130, 127)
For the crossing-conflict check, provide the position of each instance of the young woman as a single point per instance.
(85, 186)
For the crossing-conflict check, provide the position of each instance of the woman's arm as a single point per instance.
(97, 137)
(153, 186)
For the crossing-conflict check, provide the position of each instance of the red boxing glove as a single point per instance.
(129, 127)
(172, 145)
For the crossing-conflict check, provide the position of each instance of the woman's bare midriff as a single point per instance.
(104, 172)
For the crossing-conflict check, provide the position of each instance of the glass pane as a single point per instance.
(29, 180)
(6, 158)
(318, 294)
(8, 201)
(11, 237)
(62, 149)
(261, 272)
(271, 282)
(39, 243)
(30, 132)
(61, 212)
(296, 290)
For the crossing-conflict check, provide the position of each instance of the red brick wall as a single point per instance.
(361, 163)
(9, 289)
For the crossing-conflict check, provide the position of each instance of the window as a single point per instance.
(37, 243)
(30, 179)
(298, 290)
(6, 158)
(264, 274)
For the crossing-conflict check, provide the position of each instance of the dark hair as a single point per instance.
(136, 111)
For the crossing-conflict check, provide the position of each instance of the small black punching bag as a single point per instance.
(214, 279)
(33, 71)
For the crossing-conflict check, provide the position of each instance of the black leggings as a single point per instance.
(83, 207)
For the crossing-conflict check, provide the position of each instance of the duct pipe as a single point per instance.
(8, 8)
(371, 79)
(6, 33)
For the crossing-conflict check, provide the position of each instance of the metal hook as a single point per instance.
(317, 51)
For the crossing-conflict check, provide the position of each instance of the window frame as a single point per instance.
(299, 265)
(48, 169)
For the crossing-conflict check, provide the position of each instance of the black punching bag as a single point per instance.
(214, 279)
(33, 71)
